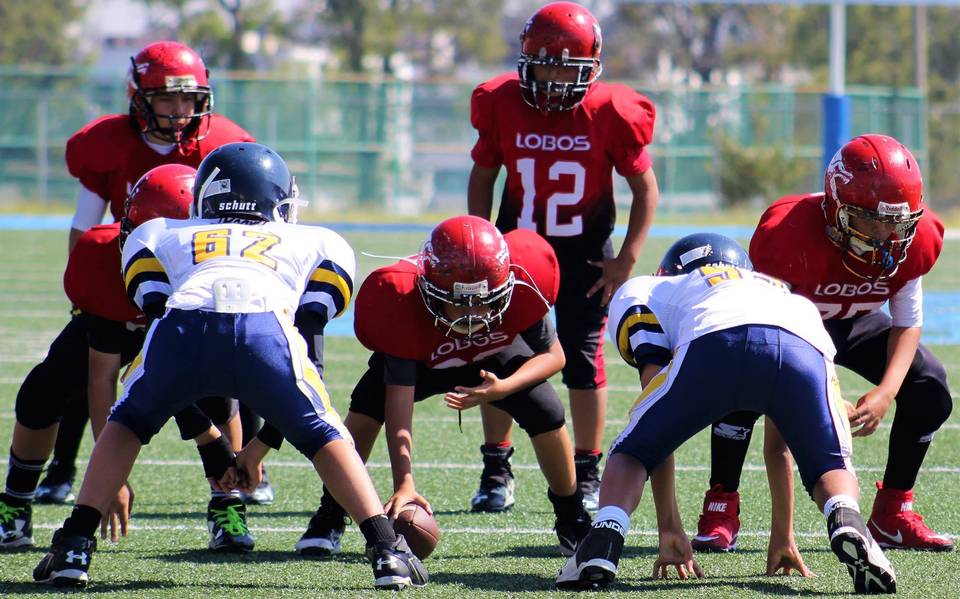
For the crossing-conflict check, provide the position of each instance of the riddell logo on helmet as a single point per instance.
(852, 289)
(901, 209)
(550, 143)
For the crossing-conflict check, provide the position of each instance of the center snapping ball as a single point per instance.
(419, 528)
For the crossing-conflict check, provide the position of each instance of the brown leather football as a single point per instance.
(419, 528)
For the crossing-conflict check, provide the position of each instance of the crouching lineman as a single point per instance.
(221, 293)
(719, 326)
(84, 361)
(469, 317)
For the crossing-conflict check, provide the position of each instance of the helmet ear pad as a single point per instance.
(247, 181)
(464, 276)
(694, 251)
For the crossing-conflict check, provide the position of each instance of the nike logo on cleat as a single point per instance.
(898, 538)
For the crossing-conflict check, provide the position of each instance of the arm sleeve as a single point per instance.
(399, 371)
(632, 132)
(541, 335)
(105, 336)
(638, 334)
(270, 436)
(486, 152)
(144, 277)
(906, 305)
(90, 210)
(330, 286)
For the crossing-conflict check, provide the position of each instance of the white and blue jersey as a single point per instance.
(228, 293)
(729, 340)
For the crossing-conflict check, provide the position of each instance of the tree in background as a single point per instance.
(39, 32)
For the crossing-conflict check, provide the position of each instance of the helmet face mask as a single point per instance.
(164, 77)
(873, 202)
(560, 38)
(464, 277)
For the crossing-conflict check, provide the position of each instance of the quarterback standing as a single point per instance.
(866, 241)
(559, 134)
(170, 121)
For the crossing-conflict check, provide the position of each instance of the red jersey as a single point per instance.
(109, 155)
(390, 317)
(791, 243)
(93, 278)
(560, 164)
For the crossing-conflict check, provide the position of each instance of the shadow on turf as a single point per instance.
(254, 513)
(551, 551)
(205, 556)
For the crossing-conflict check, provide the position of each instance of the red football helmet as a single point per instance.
(464, 276)
(164, 191)
(561, 34)
(169, 68)
(873, 199)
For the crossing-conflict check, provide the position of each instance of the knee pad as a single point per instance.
(220, 410)
(737, 426)
(41, 402)
(536, 411)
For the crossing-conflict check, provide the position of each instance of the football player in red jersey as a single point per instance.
(866, 241)
(170, 120)
(469, 318)
(113, 329)
(559, 133)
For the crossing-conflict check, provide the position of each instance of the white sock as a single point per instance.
(613, 518)
(840, 501)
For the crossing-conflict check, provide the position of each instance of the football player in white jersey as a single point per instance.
(222, 293)
(715, 338)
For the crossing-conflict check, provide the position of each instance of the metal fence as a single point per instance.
(404, 147)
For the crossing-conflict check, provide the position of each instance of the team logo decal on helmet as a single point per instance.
(464, 276)
(169, 68)
(561, 34)
(694, 251)
(165, 191)
(873, 200)
(246, 181)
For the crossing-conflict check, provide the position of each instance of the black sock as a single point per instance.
(377, 529)
(729, 442)
(82, 522)
(73, 425)
(904, 457)
(569, 507)
(23, 476)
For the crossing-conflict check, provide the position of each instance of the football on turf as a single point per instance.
(419, 528)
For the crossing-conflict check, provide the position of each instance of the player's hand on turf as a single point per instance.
(118, 515)
(615, 272)
(491, 389)
(870, 411)
(676, 551)
(783, 557)
(406, 494)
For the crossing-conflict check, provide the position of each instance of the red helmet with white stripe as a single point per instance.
(170, 68)
(464, 276)
(873, 199)
(165, 191)
(564, 35)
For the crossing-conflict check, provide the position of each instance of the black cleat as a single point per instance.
(853, 545)
(588, 479)
(67, 562)
(594, 565)
(496, 492)
(16, 525)
(323, 534)
(227, 523)
(57, 486)
(395, 567)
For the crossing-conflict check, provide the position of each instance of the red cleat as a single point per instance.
(720, 522)
(894, 524)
